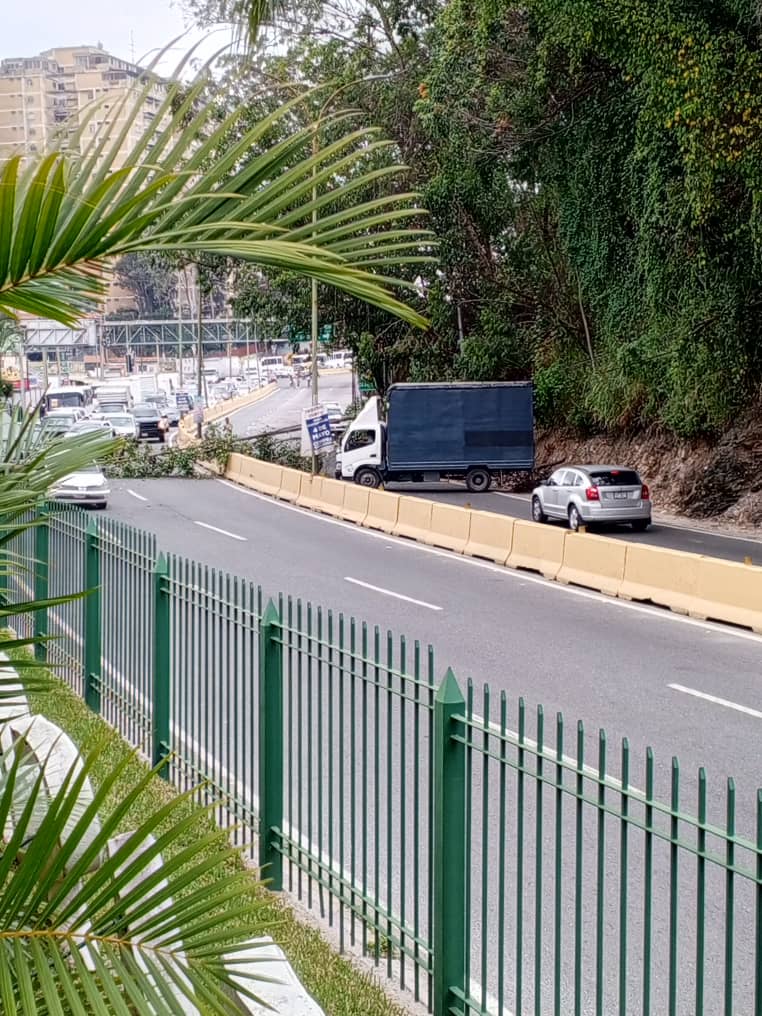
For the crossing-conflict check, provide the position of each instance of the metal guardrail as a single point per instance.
(488, 867)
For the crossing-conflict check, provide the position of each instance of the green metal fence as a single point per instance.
(492, 863)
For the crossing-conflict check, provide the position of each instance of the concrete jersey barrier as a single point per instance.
(413, 518)
(668, 578)
(355, 506)
(382, 511)
(537, 548)
(729, 591)
(490, 536)
(594, 562)
(450, 527)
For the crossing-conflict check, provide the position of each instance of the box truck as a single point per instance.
(440, 431)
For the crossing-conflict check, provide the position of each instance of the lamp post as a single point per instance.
(314, 286)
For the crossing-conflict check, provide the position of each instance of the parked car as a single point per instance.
(586, 495)
(88, 486)
(122, 424)
(147, 418)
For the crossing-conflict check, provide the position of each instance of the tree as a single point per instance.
(152, 280)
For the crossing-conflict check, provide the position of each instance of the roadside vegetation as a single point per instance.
(593, 173)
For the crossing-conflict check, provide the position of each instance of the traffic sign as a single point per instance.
(318, 426)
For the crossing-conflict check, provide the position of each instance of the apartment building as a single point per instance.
(45, 98)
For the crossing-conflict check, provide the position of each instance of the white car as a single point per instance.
(122, 424)
(88, 486)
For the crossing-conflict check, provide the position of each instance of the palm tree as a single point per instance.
(86, 923)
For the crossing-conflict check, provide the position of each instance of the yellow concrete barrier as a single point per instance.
(729, 591)
(668, 578)
(265, 477)
(595, 562)
(333, 492)
(355, 507)
(235, 463)
(490, 536)
(311, 493)
(291, 484)
(537, 548)
(450, 527)
(382, 510)
(413, 518)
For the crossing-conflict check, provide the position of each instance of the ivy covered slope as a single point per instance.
(595, 176)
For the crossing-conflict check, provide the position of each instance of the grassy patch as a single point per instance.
(334, 983)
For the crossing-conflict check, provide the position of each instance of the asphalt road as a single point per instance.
(284, 407)
(686, 688)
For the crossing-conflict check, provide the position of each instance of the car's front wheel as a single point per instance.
(575, 519)
(538, 515)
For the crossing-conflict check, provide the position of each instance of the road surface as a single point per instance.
(284, 407)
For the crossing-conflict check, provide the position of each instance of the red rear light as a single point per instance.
(645, 493)
(592, 494)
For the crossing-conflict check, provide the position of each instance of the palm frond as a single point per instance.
(184, 186)
(130, 934)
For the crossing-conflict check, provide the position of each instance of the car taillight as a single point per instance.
(592, 494)
(645, 493)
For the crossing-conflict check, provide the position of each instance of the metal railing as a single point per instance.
(485, 862)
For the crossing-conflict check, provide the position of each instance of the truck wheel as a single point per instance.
(368, 478)
(478, 480)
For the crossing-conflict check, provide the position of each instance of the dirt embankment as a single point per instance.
(717, 479)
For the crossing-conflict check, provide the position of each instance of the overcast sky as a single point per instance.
(124, 27)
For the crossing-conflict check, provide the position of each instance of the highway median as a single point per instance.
(693, 584)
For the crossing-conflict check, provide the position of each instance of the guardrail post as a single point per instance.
(41, 584)
(161, 666)
(449, 919)
(92, 619)
(270, 745)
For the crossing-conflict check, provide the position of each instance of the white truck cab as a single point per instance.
(361, 456)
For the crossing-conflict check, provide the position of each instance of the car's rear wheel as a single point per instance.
(640, 526)
(537, 513)
(575, 519)
(478, 480)
(368, 478)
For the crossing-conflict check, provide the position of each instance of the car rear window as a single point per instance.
(615, 478)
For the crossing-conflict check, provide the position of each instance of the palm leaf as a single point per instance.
(150, 943)
(182, 186)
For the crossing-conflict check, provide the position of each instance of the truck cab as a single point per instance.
(361, 457)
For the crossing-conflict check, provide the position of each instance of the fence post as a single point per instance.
(161, 637)
(92, 619)
(449, 919)
(270, 745)
(41, 563)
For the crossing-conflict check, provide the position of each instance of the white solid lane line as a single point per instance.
(717, 701)
(224, 532)
(389, 592)
(135, 494)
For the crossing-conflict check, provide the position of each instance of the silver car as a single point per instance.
(585, 495)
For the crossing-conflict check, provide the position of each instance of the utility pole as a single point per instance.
(200, 352)
(180, 333)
